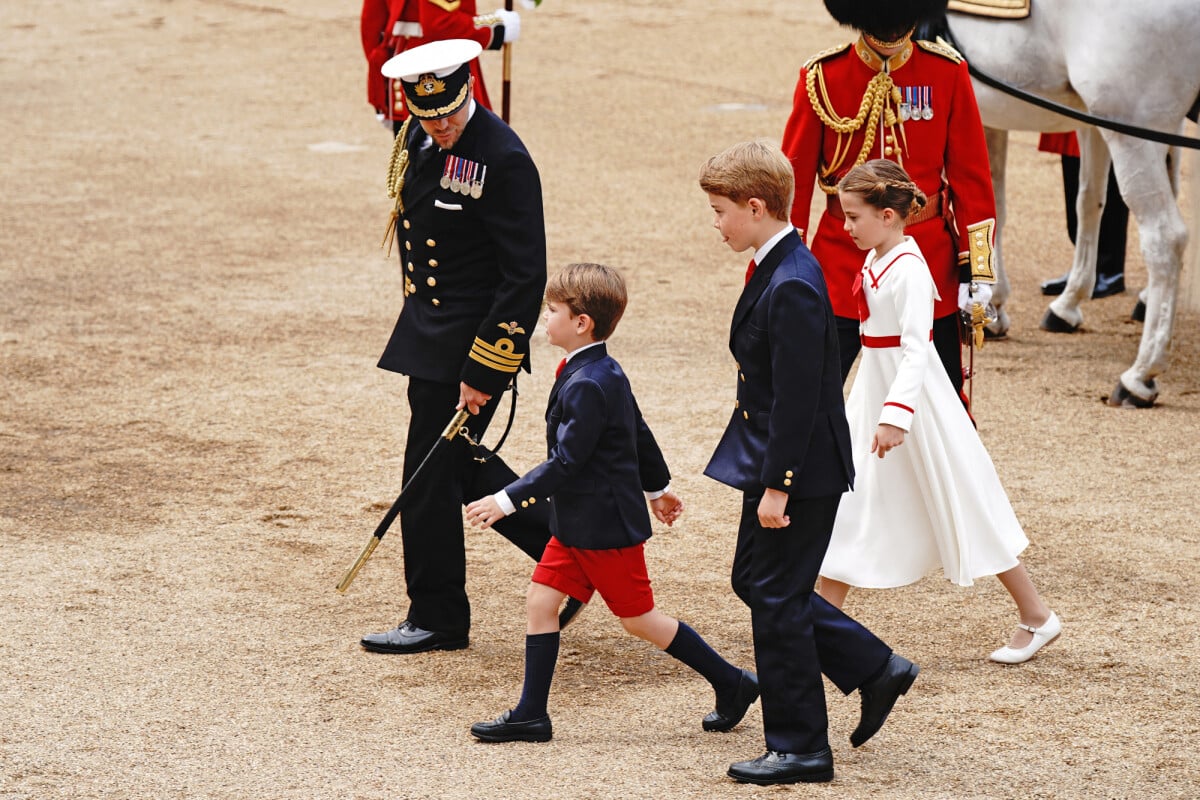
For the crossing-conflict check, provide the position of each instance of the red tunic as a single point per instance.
(948, 149)
(437, 19)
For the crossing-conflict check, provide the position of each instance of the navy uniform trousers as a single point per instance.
(797, 634)
(431, 521)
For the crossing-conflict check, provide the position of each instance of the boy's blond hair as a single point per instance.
(592, 289)
(752, 169)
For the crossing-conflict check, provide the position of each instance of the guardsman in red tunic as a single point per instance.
(393, 26)
(887, 96)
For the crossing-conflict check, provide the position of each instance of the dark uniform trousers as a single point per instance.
(431, 522)
(797, 634)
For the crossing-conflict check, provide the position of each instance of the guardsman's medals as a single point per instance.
(477, 186)
(906, 106)
(927, 102)
(445, 181)
(455, 181)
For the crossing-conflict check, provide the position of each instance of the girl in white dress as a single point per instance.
(937, 501)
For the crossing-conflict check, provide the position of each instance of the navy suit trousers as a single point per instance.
(797, 634)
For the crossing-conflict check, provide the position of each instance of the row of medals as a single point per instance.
(916, 105)
(454, 177)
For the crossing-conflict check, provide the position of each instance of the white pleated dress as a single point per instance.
(936, 499)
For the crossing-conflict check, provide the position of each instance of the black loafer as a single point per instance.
(775, 768)
(880, 694)
(501, 730)
(732, 708)
(408, 638)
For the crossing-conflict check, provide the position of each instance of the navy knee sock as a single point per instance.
(541, 654)
(691, 649)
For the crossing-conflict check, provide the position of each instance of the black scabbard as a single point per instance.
(453, 429)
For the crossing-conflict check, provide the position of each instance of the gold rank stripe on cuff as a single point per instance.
(979, 241)
(498, 356)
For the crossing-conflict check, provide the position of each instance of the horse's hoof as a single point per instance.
(1123, 398)
(1139, 312)
(1053, 323)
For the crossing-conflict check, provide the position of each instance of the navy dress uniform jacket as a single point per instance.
(782, 434)
(474, 267)
(602, 458)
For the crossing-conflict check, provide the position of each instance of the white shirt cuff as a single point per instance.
(502, 500)
(659, 493)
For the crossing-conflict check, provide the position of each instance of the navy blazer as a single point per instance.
(788, 430)
(602, 458)
(474, 266)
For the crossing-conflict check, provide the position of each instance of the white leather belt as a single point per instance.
(410, 29)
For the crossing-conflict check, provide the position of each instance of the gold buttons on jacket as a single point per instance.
(410, 266)
(407, 224)
(431, 242)
(788, 474)
(524, 504)
(433, 262)
(746, 415)
(431, 281)
(436, 302)
(787, 481)
(407, 245)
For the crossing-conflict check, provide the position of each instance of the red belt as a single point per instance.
(883, 341)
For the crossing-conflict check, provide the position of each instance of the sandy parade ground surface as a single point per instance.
(195, 441)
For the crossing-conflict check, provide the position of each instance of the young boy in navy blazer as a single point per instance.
(603, 465)
(787, 448)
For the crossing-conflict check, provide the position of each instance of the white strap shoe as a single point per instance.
(1042, 636)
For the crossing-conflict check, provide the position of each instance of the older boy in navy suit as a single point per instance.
(602, 459)
(787, 448)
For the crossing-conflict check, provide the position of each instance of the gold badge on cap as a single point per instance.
(428, 84)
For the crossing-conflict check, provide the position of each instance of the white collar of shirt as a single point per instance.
(579, 350)
(761, 253)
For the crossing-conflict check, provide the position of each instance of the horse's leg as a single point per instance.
(997, 145)
(1145, 183)
(1064, 315)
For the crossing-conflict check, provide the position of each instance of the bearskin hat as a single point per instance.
(885, 19)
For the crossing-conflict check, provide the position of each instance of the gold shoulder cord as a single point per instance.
(877, 102)
(397, 166)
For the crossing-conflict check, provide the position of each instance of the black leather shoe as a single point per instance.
(501, 730)
(1108, 285)
(880, 694)
(408, 638)
(785, 768)
(732, 708)
(569, 610)
(1055, 286)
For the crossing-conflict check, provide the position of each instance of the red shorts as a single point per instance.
(618, 575)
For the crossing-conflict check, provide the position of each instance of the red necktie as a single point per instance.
(750, 270)
(558, 371)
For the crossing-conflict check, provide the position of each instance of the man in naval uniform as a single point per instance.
(887, 96)
(472, 243)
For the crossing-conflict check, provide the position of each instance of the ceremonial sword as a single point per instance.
(457, 426)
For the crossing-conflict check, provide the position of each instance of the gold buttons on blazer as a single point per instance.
(436, 302)
(524, 504)
(433, 262)
(787, 481)
(532, 500)
(410, 266)
(407, 245)
(746, 414)
(407, 224)
(431, 281)
(431, 242)
(789, 474)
